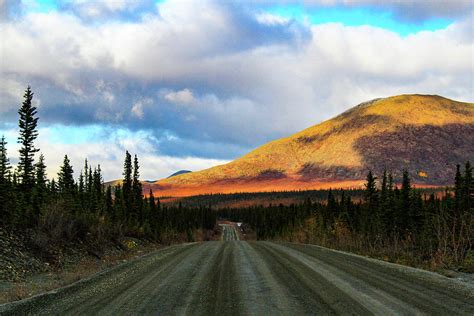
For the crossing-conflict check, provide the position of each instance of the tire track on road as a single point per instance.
(254, 278)
(430, 293)
(311, 289)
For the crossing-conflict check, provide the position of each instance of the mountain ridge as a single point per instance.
(426, 134)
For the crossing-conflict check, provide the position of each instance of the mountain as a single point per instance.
(425, 134)
(177, 173)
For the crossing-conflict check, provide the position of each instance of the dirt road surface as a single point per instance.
(229, 233)
(254, 278)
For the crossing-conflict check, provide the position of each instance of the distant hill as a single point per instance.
(177, 173)
(425, 134)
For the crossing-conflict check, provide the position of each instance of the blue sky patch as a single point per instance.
(357, 17)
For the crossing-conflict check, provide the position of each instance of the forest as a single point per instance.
(396, 223)
(63, 210)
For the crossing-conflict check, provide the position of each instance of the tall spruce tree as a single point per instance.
(371, 191)
(28, 133)
(137, 191)
(127, 181)
(90, 180)
(81, 183)
(404, 215)
(109, 203)
(371, 210)
(4, 163)
(98, 181)
(41, 186)
(468, 189)
(384, 203)
(66, 178)
(86, 178)
(458, 190)
(40, 173)
(5, 184)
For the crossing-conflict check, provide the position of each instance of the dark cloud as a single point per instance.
(422, 10)
(412, 11)
(10, 9)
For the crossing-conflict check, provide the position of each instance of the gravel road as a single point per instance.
(229, 233)
(255, 278)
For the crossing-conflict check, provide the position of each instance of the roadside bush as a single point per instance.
(60, 225)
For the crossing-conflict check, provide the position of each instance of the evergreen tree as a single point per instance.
(53, 187)
(151, 201)
(119, 205)
(332, 205)
(40, 173)
(384, 203)
(81, 186)
(458, 190)
(109, 204)
(370, 189)
(390, 205)
(28, 133)
(468, 189)
(371, 192)
(66, 177)
(404, 215)
(384, 189)
(370, 216)
(127, 181)
(98, 182)
(5, 185)
(41, 186)
(416, 211)
(86, 176)
(90, 180)
(4, 163)
(137, 191)
(81, 183)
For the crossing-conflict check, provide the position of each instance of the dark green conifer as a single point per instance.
(5, 184)
(458, 190)
(371, 192)
(127, 181)
(468, 189)
(109, 204)
(28, 133)
(66, 177)
(41, 186)
(137, 191)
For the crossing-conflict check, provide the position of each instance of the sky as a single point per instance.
(192, 84)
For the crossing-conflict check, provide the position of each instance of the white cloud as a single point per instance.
(137, 108)
(100, 8)
(271, 19)
(184, 96)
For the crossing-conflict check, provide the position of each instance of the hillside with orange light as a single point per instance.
(425, 134)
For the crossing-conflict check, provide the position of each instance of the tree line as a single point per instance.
(84, 208)
(399, 221)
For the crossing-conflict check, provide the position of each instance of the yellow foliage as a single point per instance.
(130, 244)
